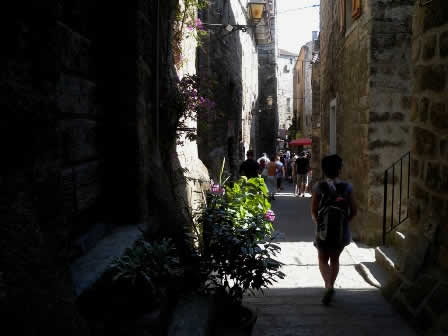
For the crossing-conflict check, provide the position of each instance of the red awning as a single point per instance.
(301, 142)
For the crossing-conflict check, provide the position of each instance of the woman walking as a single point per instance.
(332, 208)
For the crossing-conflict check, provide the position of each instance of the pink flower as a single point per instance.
(199, 24)
(269, 216)
(217, 189)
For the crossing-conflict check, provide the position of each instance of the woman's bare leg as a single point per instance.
(324, 267)
(334, 266)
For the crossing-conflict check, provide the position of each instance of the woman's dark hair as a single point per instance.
(331, 165)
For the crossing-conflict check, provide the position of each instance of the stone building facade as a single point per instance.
(315, 116)
(91, 154)
(230, 61)
(195, 178)
(299, 91)
(285, 76)
(267, 116)
(365, 95)
(421, 287)
(303, 97)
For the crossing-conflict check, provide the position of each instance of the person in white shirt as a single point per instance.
(265, 158)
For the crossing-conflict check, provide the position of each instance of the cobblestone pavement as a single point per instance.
(292, 307)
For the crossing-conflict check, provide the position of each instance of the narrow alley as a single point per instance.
(143, 143)
(293, 305)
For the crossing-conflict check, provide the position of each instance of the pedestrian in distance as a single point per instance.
(332, 209)
(280, 172)
(271, 177)
(263, 157)
(302, 167)
(250, 168)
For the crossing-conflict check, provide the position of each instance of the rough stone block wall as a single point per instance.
(421, 293)
(354, 121)
(367, 69)
(51, 180)
(331, 67)
(77, 134)
(390, 102)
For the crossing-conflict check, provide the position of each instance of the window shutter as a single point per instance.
(342, 15)
(356, 9)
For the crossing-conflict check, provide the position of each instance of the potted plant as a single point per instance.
(237, 247)
(136, 286)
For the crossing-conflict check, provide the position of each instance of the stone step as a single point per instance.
(398, 241)
(87, 269)
(387, 257)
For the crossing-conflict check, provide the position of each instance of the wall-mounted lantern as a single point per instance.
(255, 10)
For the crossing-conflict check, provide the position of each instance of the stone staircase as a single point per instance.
(417, 296)
(384, 272)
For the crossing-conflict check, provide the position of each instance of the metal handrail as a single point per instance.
(393, 226)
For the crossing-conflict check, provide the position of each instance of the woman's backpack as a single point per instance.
(332, 214)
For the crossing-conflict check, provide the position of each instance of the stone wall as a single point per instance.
(79, 131)
(285, 63)
(194, 180)
(420, 292)
(354, 120)
(267, 100)
(389, 101)
(299, 90)
(331, 67)
(315, 84)
(230, 60)
(267, 96)
(308, 92)
(366, 68)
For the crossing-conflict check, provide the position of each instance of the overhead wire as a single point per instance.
(296, 9)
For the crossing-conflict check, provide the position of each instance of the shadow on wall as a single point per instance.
(220, 61)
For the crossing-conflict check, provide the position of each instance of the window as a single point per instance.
(356, 9)
(288, 103)
(290, 61)
(350, 11)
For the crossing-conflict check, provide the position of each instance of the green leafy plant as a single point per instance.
(249, 198)
(237, 249)
(148, 268)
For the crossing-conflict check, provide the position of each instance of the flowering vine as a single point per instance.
(193, 104)
(186, 17)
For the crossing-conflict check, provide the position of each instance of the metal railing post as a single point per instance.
(393, 198)
(387, 230)
(385, 207)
